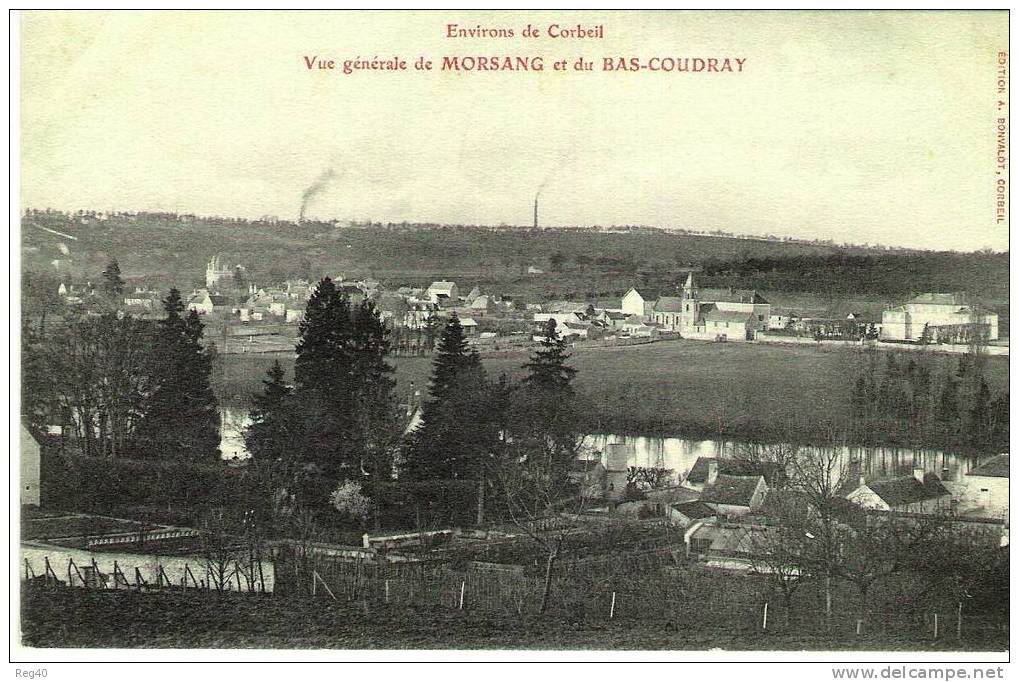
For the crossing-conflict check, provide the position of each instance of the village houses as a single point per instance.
(712, 314)
(919, 493)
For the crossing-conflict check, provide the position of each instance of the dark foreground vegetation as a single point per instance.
(60, 617)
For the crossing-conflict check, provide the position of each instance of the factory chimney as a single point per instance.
(536, 211)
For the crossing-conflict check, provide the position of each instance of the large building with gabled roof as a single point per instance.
(950, 318)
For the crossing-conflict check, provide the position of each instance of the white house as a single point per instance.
(201, 302)
(919, 493)
(443, 292)
(579, 331)
(637, 327)
(638, 302)
(986, 487)
(482, 305)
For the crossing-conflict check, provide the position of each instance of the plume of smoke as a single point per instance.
(314, 189)
(564, 158)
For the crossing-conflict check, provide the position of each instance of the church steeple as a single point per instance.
(688, 289)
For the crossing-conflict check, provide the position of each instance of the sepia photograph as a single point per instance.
(511, 335)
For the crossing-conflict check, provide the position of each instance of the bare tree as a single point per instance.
(875, 544)
(648, 477)
(219, 549)
(779, 549)
(539, 501)
(819, 475)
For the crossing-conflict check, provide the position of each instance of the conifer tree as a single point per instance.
(547, 414)
(980, 416)
(324, 348)
(377, 428)
(324, 378)
(547, 370)
(948, 409)
(181, 415)
(268, 435)
(451, 441)
(113, 284)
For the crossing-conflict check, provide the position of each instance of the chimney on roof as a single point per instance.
(712, 472)
(918, 473)
(863, 480)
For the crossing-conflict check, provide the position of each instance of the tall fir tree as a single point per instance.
(324, 376)
(113, 284)
(268, 436)
(547, 371)
(181, 415)
(276, 439)
(377, 431)
(548, 413)
(978, 427)
(451, 441)
(326, 336)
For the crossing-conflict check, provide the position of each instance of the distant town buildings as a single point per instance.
(713, 314)
(216, 271)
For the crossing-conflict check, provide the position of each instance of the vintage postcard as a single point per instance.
(516, 335)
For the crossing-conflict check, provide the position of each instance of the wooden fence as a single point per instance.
(636, 591)
(225, 576)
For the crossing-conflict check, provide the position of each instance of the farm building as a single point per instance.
(686, 513)
(706, 469)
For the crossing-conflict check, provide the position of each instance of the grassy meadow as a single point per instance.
(676, 387)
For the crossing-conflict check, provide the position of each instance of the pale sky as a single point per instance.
(861, 127)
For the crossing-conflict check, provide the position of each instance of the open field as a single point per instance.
(122, 619)
(684, 388)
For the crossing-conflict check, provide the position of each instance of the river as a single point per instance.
(679, 454)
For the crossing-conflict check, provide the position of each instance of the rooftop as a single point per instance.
(694, 510)
(995, 467)
(940, 299)
(730, 296)
(732, 467)
(732, 490)
(908, 490)
(713, 314)
(669, 304)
